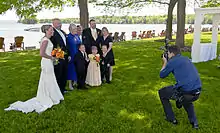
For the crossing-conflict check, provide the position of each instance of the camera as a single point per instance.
(165, 54)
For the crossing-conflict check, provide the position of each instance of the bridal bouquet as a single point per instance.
(97, 59)
(58, 53)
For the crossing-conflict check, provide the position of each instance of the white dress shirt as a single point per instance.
(80, 37)
(83, 53)
(94, 33)
(62, 35)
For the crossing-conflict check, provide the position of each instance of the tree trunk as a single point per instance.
(84, 13)
(181, 18)
(169, 24)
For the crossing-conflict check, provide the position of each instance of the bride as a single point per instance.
(48, 93)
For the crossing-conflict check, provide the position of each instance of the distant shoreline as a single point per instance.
(161, 19)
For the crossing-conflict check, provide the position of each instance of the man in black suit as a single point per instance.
(81, 62)
(90, 37)
(59, 40)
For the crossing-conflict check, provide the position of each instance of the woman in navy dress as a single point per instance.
(107, 40)
(73, 42)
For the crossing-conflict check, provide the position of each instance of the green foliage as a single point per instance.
(211, 3)
(6, 5)
(133, 19)
(129, 105)
(129, 3)
(28, 8)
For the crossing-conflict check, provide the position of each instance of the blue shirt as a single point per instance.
(184, 71)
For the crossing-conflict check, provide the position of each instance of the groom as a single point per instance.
(59, 40)
(90, 37)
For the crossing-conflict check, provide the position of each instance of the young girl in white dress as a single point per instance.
(93, 77)
(48, 93)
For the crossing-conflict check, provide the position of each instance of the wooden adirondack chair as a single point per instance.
(134, 35)
(143, 35)
(110, 34)
(116, 37)
(122, 36)
(18, 43)
(2, 44)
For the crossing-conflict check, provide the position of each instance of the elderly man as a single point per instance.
(59, 40)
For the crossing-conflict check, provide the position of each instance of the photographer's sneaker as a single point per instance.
(195, 126)
(174, 122)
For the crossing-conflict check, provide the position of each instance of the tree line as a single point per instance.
(123, 20)
(30, 8)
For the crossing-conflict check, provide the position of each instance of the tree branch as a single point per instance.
(197, 2)
(130, 3)
(149, 1)
(160, 2)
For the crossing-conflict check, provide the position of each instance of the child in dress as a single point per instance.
(93, 77)
(105, 65)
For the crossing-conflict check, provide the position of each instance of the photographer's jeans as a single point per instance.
(166, 94)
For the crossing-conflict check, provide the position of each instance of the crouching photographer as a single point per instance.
(185, 91)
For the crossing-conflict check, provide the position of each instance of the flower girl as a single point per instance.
(93, 77)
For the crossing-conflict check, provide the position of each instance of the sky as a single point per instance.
(73, 12)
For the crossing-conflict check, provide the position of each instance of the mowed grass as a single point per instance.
(129, 105)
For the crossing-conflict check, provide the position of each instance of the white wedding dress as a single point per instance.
(48, 93)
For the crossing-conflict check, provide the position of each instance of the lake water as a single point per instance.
(10, 29)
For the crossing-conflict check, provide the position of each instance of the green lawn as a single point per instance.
(129, 105)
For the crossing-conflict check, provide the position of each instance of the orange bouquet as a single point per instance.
(97, 59)
(58, 53)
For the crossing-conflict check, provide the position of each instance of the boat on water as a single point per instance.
(35, 29)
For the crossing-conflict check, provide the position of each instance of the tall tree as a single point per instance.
(84, 14)
(181, 18)
(169, 26)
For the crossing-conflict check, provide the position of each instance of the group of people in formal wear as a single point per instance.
(81, 66)
(88, 59)
(82, 47)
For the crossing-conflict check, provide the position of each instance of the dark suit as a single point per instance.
(89, 41)
(81, 69)
(61, 69)
(105, 69)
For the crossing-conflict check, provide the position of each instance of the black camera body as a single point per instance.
(165, 54)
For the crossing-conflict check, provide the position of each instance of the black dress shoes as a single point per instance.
(85, 88)
(107, 82)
